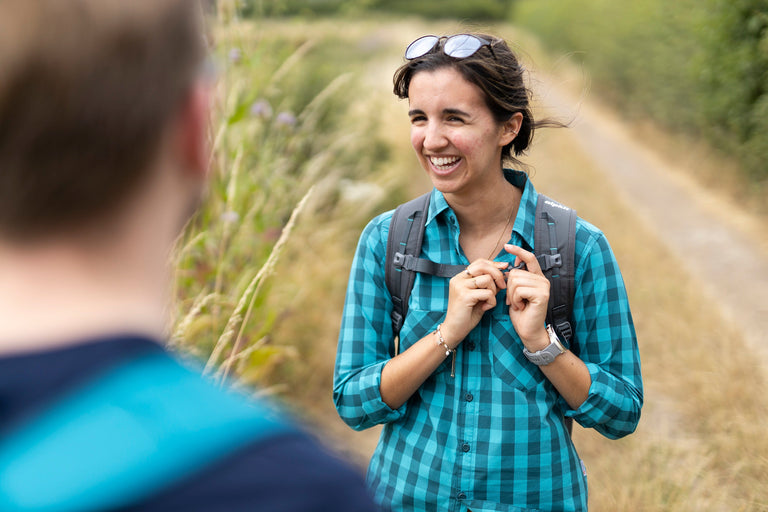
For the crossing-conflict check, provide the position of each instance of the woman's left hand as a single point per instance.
(527, 296)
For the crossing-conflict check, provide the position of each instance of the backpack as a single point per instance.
(130, 432)
(554, 245)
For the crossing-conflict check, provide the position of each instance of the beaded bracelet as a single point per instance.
(448, 350)
(441, 341)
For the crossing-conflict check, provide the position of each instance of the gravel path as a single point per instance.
(711, 239)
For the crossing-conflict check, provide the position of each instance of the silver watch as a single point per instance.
(545, 356)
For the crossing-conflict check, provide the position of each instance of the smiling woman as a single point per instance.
(491, 433)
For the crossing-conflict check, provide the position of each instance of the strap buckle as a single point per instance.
(550, 261)
(399, 260)
(565, 330)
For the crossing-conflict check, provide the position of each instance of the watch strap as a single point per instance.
(546, 355)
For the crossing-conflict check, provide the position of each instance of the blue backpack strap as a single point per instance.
(125, 435)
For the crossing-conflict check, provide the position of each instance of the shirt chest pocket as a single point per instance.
(507, 359)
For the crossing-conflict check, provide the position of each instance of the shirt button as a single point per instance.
(468, 397)
(461, 496)
(465, 447)
(470, 345)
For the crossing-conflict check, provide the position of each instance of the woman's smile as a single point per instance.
(444, 164)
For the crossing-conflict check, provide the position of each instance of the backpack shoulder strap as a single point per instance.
(554, 245)
(406, 234)
(142, 426)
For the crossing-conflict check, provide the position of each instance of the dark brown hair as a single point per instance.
(87, 88)
(498, 74)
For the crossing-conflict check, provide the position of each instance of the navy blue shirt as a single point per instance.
(284, 471)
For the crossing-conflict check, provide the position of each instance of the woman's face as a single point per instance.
(453, 132)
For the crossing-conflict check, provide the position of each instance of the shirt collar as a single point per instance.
(526, 213)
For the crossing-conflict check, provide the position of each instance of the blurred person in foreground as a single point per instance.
(103, 155)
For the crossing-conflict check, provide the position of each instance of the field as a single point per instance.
(310, 144)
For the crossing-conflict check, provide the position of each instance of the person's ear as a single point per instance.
(192, 129)
(511, 128)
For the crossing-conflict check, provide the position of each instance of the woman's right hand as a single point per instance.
(471, 293)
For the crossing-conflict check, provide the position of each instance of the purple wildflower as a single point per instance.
(230, 217)
(285, 119)
(262, 109)
(235, 55)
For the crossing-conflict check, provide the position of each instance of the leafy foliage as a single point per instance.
(700, 67)
(476, 9)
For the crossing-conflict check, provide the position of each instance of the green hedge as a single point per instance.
(697, 66)
(462, 9)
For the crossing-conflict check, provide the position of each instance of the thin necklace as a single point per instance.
(504, 230)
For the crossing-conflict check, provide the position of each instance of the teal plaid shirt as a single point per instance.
(491, 438)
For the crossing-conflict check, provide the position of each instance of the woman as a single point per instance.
(491, 435)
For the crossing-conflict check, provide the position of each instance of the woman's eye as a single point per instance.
(418, 119)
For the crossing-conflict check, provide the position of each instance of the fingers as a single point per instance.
(522, 296)
(475, 290)
(523, 256)
(526, 288)
(482, 290)
(493, 269)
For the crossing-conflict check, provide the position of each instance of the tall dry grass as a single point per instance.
(283, 157)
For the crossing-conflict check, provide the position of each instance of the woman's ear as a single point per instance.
(511, 128)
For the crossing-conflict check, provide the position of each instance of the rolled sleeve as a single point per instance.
(605, 339)
(365, 339)
(612, 407)
(359, 403)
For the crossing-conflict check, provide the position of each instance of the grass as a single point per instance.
(282, 154)
(274, 320)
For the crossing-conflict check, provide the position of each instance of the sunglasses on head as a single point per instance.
(459, 46)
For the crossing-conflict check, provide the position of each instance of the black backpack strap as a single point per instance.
(406, 233)
(554, 245)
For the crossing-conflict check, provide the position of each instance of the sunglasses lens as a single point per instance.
(420, 47)
(462, 45)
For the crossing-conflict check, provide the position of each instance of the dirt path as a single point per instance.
(722, 247)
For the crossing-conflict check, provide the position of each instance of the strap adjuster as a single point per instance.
(550, 261)
(565, 331)
(399, 260)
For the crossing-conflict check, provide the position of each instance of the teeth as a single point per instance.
(444, 161)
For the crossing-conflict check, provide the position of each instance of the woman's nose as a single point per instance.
(434, 137)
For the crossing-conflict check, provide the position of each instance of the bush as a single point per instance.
(477, 9)
(697, 67)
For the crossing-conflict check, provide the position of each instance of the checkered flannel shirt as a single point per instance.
(493, 436)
